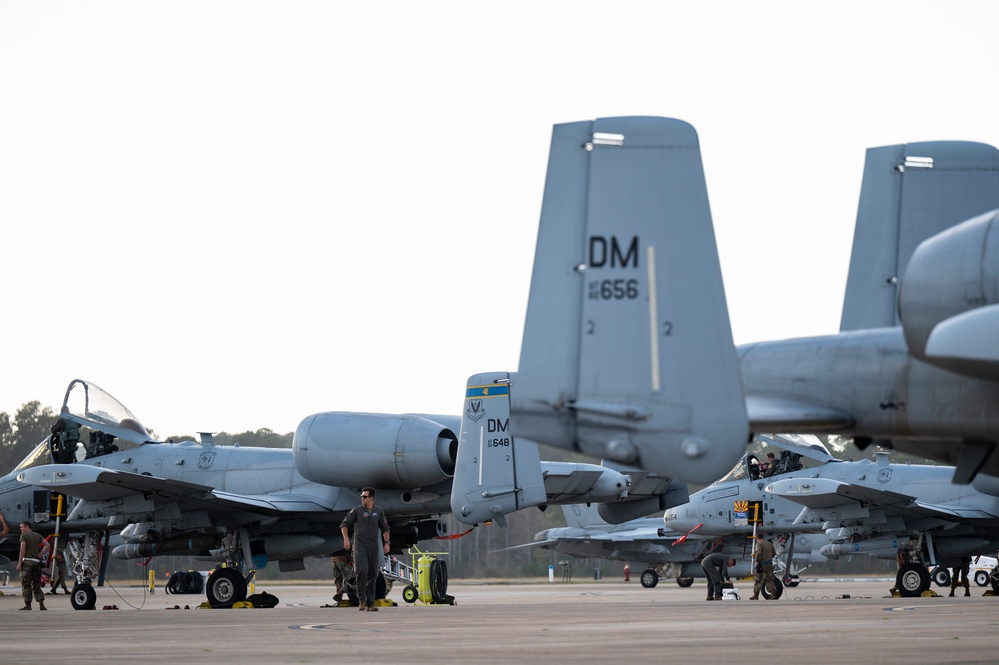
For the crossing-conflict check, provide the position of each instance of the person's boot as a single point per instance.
(41, 605)
(951, 593)
(967, 592)
(27, 606)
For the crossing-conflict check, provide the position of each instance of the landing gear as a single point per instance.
(791, 581)
(225, 586)
(940, 576)
(83, 597)
(684, 582)
(912, 580)
(650, 578)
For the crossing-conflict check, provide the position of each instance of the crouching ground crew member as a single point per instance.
(764, 558)
(29, 562)
(365, 521)
(342, 571)
(715, 566)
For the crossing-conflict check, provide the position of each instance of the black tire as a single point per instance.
(650, 578)
(225, 587)
(994, 580)
(912, 580)
(940, 576)
(410, 594)
(83, 597)
(773, 593)
(791, 581)
(981, 578)
(684, 582)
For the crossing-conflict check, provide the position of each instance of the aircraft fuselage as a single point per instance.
(870, 375)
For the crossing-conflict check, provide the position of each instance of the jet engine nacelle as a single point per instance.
(949, 299)
(378, 450)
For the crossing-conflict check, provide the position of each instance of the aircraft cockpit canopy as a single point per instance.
(788, 449)
(88, 405)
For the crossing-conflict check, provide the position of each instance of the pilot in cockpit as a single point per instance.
(769, 467)
(64, 439)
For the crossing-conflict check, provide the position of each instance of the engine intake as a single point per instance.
(380, 450)
(949, 295)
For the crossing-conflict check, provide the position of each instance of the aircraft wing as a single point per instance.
(95, 484)
(575, 482)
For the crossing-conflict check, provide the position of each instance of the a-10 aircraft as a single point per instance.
(915, 366)
(813, 507)
(667, 553)
(245, 506)
(902, 512)
(676, 553)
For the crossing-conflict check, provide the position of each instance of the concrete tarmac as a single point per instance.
(820, 621)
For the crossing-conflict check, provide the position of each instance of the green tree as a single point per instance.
(30, 426)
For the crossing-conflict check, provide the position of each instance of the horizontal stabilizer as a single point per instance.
(627, 352)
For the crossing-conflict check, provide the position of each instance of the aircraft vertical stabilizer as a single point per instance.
(910, 192)
(582, 515)
(495, 473)
(627, 351)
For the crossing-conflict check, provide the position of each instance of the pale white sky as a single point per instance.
(231, 215)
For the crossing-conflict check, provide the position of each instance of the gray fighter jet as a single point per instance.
(245, 506)
(667, 553)
(813, 507)
(910, 513)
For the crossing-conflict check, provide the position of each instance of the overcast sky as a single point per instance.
(231, 215)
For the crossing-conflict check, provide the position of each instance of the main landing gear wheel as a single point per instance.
(83, 597)
(940, 576)
(650, 578)
(791, 581)
(410, 594)
(773, 593)
(684, 582)
(225, 587)
(912, 580)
